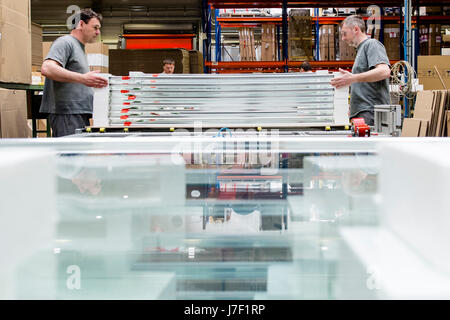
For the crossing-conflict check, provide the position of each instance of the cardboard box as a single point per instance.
(448, 123)
(431, 109)
(432, 11)
(268, 42)
(424, 106)
(37, 78)
(46, 48)
(13, 114)
(41, 126)
(98, 56)
(423, 128)
(36, 45)
(411, 127)
(300, 35)
(247, 44)
(323, 43)
(122, 61)
(427, 74)
(15, 41)
(327, 37)
(430, 39)
(331, 42)
(346, 52)
(195, 61)
(435, 34)
(391, 40)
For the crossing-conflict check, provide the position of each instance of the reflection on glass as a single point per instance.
(208, 225)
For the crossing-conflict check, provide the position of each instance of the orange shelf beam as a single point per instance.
(243, 4)
(274, 66)
(231, 22)
(249, 19)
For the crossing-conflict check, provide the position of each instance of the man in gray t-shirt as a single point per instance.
(369, 78)
(68, 94)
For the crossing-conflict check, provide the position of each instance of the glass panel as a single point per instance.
(196, 218)
(221, 99)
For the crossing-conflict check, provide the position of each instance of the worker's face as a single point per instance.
(169, 68)
(348, 35)
(90, 30)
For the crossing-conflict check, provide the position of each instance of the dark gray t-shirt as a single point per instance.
(65, 97)
(364, 95)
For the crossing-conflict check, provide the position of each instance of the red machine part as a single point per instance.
(360, 128)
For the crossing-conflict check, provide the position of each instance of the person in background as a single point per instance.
(168, 66)
(305, 67)
(68, 95)
(369, 79)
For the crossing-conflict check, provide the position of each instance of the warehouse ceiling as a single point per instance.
(142, 16)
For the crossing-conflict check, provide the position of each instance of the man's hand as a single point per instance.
(347, 79)
(93, 80)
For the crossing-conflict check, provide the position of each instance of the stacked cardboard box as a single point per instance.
(36, 54)
(427, 74)
(391, 39)
(195, 61)
(433, 11)
(430, 39)
(122, 61)
(431, 115)
(423, 40)
(327, 38)
(98, 56)
(36, 47)
(15, 41)
(268, 42)
(346, 52)
(435, 39)
(323, 43)
(247, 48)
(46, 48)
(446, 38)
(13, 114)
(300, 35)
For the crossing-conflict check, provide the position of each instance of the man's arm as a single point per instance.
(53, 70)
(380, 72)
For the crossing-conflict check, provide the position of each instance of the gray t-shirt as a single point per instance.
(65, 97)
(364, 95)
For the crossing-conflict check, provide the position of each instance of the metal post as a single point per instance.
(316, 13)
(206, 26)
(218, 36)
(407, 44)
(201, 33)
(416, 37)
(278, 43)
(208, 33)
(407, 36)
(285, 34)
